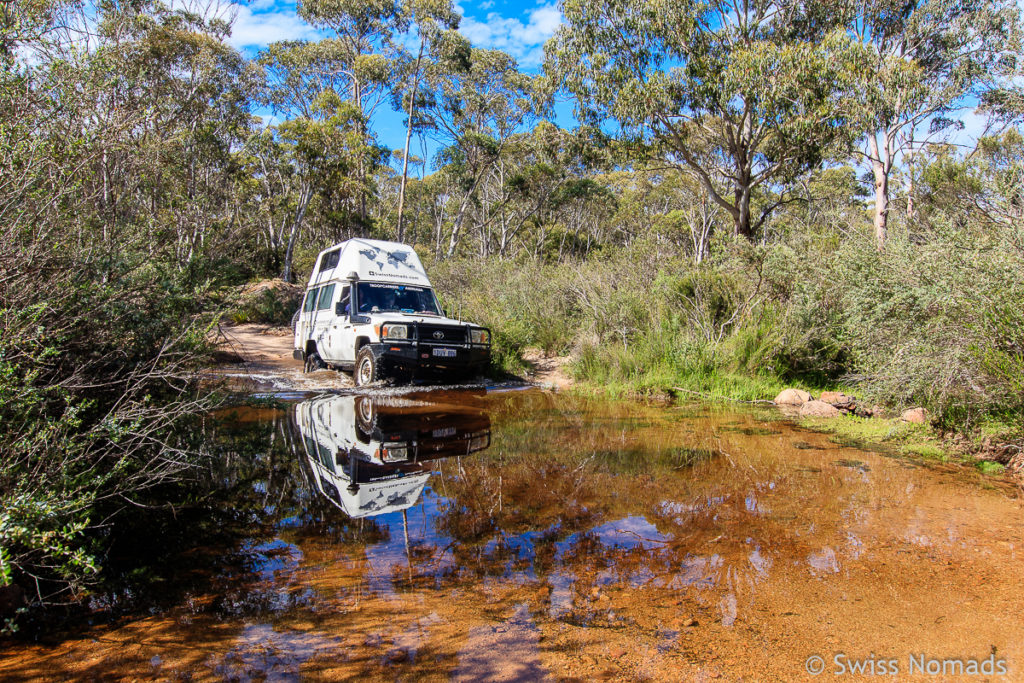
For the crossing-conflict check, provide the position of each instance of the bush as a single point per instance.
(93, 376)
(633, 323)
(937, 322)
(525, 303)
(270, 302)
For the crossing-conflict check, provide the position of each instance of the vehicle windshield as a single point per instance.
(375, 297)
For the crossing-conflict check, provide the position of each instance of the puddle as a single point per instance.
(497, 534)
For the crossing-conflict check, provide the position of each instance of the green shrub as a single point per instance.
(937, 321)
(267, 303)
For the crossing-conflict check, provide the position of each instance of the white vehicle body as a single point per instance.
(370, 455)
(370, 308)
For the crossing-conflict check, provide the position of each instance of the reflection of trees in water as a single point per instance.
(248, 481)
(719, 523)
(258, 469)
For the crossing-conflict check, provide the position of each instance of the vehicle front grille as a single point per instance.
(438, 334)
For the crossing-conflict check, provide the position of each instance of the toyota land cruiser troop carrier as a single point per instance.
(370, 309)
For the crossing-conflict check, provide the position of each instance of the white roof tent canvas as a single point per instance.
(372, 260)
(370, 498)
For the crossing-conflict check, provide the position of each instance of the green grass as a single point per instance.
(694, 371)
(662, 381)
(990, 468)
(895, 435)
(1000, 428)
(927, 451)
(917, 442)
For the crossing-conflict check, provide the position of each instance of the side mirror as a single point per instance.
(339, 308)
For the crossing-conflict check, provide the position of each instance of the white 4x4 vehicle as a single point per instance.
(369, 309)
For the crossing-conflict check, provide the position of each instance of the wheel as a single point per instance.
(314, 362)
(366, 417)
(368, 368)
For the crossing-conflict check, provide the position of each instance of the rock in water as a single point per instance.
(918, 416)
(819, 409)
(793, 397)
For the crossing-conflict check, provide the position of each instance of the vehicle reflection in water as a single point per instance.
(370, 455)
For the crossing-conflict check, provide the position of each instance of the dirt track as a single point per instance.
(258, 358)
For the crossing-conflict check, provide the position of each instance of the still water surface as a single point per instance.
(520, 535)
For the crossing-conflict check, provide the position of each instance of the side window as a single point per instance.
(330, 260)
(344, 300)
(326, 296)
(310, 301)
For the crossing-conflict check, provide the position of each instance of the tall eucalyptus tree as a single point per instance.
(921, 63)
(742, 95)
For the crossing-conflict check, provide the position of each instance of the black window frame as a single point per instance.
(329, 260)
(309, 305)
(346, 294)
(328, 292)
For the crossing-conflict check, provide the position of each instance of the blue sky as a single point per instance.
(518, 27)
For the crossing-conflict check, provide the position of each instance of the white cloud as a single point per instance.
(259, 29)
(261, 22)
(522, 40)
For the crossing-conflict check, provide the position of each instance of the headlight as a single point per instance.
(395, 452)
(480, 336)
(395, 332)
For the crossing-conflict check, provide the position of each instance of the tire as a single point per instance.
(366, 416)
(314, 362)
(367, 369)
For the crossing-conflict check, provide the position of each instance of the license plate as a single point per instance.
(445, 353)
(442, 433)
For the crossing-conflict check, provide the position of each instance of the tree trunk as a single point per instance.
(294, 233)
(741, 216)
(457, 228)
(408, 138)
(357, 98)
(911, 209)
(909, 160)
(461, 215)
(881, 165)
(881, 205)
(701, 223)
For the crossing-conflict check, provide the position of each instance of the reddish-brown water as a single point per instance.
(528, 536)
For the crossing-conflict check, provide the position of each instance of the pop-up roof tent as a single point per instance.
(372, 260)
(373, 497)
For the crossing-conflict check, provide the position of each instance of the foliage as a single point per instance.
(937, 321)
(268, 303)
(919, 64)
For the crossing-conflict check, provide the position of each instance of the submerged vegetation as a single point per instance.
(750, 202)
